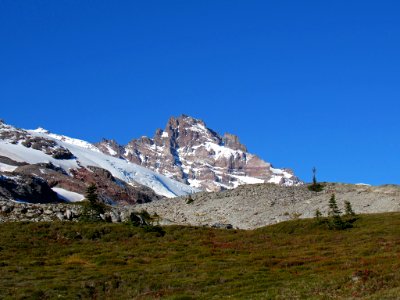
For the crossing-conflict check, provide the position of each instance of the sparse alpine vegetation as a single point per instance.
(291, 260)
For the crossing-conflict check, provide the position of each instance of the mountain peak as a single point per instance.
(41, 130)
(188, 151)
(185, 121)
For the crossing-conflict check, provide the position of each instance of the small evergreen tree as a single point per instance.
(348, 210)
(91, 193)
(94, 208)
(335, 220)
(349, 214)
(333, 208)
(315, 186)
(314, 180)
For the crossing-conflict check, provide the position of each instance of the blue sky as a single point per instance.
(303, 83)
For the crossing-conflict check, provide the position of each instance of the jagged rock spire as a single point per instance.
(188, 151)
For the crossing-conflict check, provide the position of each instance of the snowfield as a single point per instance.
(87, 154)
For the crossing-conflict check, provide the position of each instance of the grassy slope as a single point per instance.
(290, 260)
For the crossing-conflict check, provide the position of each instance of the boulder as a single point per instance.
(222, 226)
(115, 217)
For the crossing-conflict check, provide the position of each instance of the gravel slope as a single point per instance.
(252, 206)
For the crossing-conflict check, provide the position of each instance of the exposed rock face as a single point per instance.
(113, 189)
(10, 162)
(188, 151)
(111, 147)
(26, 188)
(50, 147)
(232, 141)
(110, 189)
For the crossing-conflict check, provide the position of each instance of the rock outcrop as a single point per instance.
(110, 189)
(26, 188)
(28, 212)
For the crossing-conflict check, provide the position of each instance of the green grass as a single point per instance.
(290, 260)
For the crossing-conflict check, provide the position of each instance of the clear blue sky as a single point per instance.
(303, 83)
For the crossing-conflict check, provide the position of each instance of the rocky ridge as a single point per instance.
(187, 151)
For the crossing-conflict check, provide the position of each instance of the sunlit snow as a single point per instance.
(68, 195)
(88, 155)
(6, 168)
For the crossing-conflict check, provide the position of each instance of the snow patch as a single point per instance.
(128, 151)
(111, 151)
(18, 201)
(275, 179)
(195, 183)
(248, 179)
(7, 168)
(221, 151)
(281, 172)
(68, 195)
(198, 127)
(68, 140)
(41, 130)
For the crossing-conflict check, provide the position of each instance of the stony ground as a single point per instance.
(246, 207)
(11, 211)
(253, 206)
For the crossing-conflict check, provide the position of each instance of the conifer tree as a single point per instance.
(95, 207)
(349, 215)
(315, 186)
(91, 193)
(334, 213)
(314, 180)
(333, 208)
(348, 209)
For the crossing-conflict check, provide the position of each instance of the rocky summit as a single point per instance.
(187, 151)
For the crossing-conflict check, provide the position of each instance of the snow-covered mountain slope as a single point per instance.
(41, 146)
(188, 151)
